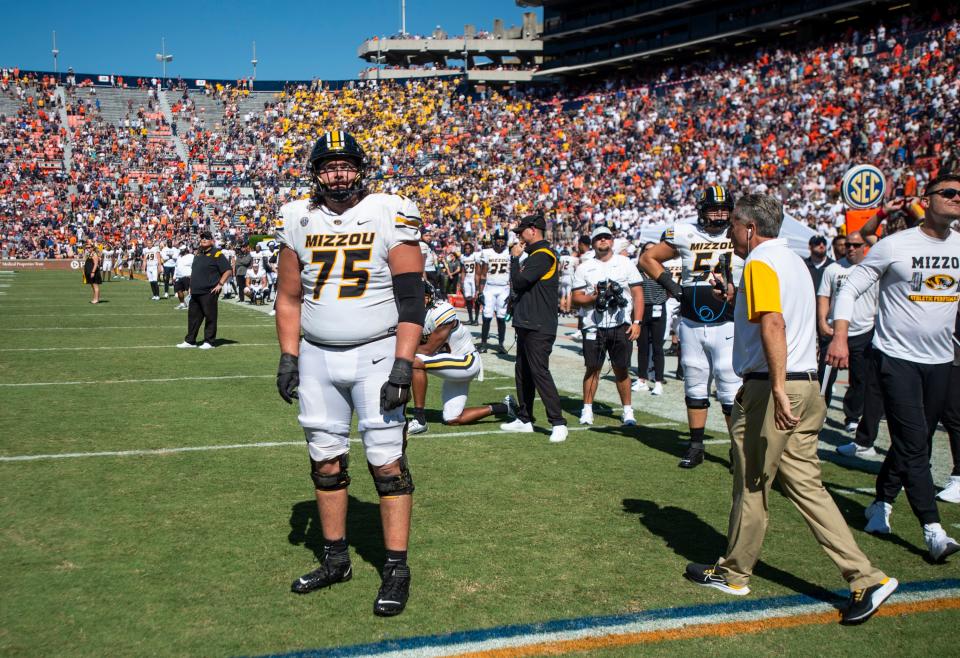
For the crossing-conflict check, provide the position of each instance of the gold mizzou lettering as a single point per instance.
(315, 240)
(933, 298)
(940, 282)
(711, 246)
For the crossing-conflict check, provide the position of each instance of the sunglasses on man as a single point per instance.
(948, 193)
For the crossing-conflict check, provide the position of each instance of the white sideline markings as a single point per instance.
(98, 327)
(860, 491)
(233, 446)
(139, 381)
(123, 347)
(94, 315)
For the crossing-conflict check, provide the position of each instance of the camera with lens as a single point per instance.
(610, 296)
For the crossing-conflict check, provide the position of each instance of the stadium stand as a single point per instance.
(627, 151)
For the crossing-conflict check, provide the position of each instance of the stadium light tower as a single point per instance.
(56, 53)
(163, 57)
(403, 18)
(254, 60)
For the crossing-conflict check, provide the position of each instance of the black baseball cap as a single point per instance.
(536, 221)
(817, 239)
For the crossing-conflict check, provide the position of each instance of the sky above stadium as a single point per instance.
(213, 38)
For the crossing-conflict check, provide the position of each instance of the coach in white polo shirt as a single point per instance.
(778, 413)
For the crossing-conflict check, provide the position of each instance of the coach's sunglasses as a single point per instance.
(949, 193)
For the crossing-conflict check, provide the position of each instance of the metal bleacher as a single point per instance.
(9, 105)
(114, 102)
(254, 102)
(210, 110)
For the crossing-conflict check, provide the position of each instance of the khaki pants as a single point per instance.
(761, 453)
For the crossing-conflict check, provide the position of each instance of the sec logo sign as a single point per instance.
(863, 187)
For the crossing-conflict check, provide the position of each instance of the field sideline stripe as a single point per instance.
(269, 325)
(95, 315)
(703, 620)
(138, 381)
(123, 347)
(232, 446)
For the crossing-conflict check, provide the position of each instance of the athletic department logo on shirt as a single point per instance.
(863, 186)
(940, 282)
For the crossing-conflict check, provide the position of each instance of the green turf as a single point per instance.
(192, 553)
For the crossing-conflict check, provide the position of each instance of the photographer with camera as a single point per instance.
(608, 291)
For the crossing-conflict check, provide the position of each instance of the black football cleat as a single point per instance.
(328, 574)
(693, 458)
(394, 591)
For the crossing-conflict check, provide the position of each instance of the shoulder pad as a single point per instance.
(218, 254)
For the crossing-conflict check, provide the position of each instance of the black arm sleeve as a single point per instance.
(408, 290)
(533, 270)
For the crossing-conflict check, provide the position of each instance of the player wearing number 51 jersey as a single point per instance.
(351, 280)
(706, 321)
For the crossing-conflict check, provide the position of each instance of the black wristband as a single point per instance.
(401, 373)
(669, 284)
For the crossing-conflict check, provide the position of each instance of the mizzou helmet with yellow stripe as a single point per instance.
(713, 199)
(338, 145)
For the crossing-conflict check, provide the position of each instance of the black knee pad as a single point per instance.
(727, 409)
(394, 485)
(697, 403)
(334, 482)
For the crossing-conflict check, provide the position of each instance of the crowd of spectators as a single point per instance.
(626, 152)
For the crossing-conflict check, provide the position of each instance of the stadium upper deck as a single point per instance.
(604, 36)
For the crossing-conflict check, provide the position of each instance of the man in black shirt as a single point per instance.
(211, 269)
(535, 287)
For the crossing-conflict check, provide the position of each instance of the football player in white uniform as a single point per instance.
(181, 277)
(351, 280)
(493, 288)
(151, 265)
(447, 351)
(568, 265)
(257, 286)
(706, 319)
(168, 255)
(470, 260)
(108, 253)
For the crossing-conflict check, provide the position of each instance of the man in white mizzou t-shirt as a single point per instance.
(919, 274)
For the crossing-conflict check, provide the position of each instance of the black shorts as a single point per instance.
(609, 341)
(182, 284)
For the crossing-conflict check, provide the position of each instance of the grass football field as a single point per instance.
(156, 501)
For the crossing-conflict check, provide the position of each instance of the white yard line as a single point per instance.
(138, 381)
(94, 315)
(233, 446)
(141, 327)
(125, 347)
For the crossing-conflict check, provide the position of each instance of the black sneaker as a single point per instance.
(328, 574)
(693, 458)
(394, 591)
(501, 349)
(483, 348)
(864, 602)
(706, 576)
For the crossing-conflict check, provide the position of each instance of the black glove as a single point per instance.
(670, 284)
(288, 377)
(395, 392)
